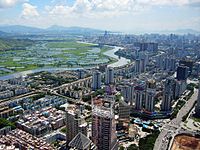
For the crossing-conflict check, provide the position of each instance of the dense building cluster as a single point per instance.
(111, 105)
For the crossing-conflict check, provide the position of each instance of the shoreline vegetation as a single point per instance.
(48, 54)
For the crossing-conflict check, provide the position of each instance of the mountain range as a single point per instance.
(55, 29)
(18, 29)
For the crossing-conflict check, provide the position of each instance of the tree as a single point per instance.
(121, 148)
(147, 143)
(6, 123)
(133, 147)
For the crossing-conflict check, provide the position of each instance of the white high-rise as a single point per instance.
(128, 93)
(139, 95)
(150, 95)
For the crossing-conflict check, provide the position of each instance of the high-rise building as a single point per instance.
(75, 123)
(137, 66)
(150, 95)
(81, 74)
(103, 125)
(167, 94)
(182, 72)
(128, 93)
(180, 87)
(139, 96)
(166, 62)
(152, 47)
(159, 61)
(197, 108)
(172, 64)
(141, 61)
(109, 75)
(96, 80)
(188, 63)
(102, 67)
(124, 111)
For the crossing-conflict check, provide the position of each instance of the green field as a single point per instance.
(53, 54)
(68, 44)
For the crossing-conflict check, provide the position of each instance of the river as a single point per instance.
(111, 53)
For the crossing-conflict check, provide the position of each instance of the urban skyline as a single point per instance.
(100, 74)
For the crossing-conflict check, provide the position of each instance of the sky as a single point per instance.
(115, 15)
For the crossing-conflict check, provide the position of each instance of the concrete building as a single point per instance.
(182, 72)
(151, 47)
(103, 125)
(159, 61)
(124, 110)
(39, 123)
(181, 86)
(197, 108)
(23, 141)
(128, 93)
(150, 95)
(81, 142)
(138, 66)
(96, 80)
(75, 123)
(109, 78)
(188, 63)
(139, 97)
(167, 95)
(141, 61)
(81, 73)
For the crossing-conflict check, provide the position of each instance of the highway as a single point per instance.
(169, 130)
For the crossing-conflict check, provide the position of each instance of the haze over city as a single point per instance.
(130, 16)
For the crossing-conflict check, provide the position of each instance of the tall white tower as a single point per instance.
(150, 95)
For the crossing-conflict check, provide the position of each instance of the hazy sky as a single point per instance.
(115, 15)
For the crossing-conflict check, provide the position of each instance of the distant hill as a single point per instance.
(4, 34)
(181, 31)
(73, 29)
(18, 29)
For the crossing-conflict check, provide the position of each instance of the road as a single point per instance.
(16, 98)
(169, 130)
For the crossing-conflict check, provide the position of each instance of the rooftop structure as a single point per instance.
(41, 122)
(23, 140)
(103, 124)
(81, 142)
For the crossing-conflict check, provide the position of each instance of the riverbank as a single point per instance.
(110, 53)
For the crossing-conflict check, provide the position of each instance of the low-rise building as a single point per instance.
(22, 140)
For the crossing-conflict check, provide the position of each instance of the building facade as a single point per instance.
(96, 80)
(109, 78)
(103, 125)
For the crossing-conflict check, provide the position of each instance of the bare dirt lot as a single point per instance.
(185, 142)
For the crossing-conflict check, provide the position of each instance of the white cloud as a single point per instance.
(10, 3)
(102, 8)
(29, 11)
